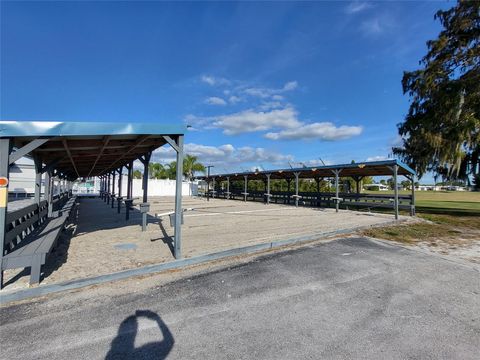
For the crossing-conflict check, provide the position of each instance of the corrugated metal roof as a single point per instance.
(372, 168)
(56, 128)
(82, 149)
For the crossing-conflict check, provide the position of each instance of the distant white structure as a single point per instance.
(427, 188)
(454, 188)
(22, 181)
(376, 187)
(22, 178)
(160, 187)
(155, 187)
(440, 188)
(89, 186)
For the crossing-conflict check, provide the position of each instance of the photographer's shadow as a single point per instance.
(123, 346)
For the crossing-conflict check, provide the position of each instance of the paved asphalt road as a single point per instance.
(350, 298)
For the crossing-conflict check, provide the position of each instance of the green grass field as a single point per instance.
(450, 215)
(445, 202)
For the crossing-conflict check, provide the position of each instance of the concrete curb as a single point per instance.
(23, 294)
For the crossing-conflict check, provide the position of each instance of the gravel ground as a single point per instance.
(101, 241)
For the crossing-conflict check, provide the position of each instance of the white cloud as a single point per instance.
(213, 81)
(316, 162)
(225, 156)
(264, 93)
(210, 80)
(291, 85)
(271, 116)
(357, 6)
(234, 99)
(258, 92)
(209, 152)
(397, 141)
(251, 120)
(319, 130)
(372, 27)
(234, 92)
(268, 105)
(214, 100)
(260, 154)
(384, 23)
(377, 158)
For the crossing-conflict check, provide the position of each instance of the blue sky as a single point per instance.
(261, 84)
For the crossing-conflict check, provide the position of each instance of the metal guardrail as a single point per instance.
(322, 199)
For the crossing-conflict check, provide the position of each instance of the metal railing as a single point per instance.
(322, 199)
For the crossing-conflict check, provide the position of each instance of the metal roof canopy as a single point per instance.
(71, 150)
(84, 149)
(372, 168)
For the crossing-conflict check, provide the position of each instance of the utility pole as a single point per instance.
(208, 181)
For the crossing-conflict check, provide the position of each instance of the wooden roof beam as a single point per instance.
(105, 143)
(65, 144)
(140, 140)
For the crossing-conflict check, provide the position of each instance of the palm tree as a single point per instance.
(191, 166)
(171, 170)
(157, 171)
(137, 174)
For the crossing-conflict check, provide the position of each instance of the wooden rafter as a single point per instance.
(105, 143)
(65, 145)
(140, 140)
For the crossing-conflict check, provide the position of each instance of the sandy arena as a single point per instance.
(101, 241)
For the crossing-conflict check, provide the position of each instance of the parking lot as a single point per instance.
(351, 298)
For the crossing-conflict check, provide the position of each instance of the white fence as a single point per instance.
(158, 187)
(22, 184)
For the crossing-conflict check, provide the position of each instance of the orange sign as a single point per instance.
(3, 181)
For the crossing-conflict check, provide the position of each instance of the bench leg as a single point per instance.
(35, 270)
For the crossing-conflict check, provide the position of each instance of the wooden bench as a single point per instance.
(32, 237)
(69, 208)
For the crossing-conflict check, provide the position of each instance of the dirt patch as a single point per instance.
(457, 236)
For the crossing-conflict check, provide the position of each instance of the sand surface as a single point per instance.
(100, 241)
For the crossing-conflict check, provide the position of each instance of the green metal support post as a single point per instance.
(245, 188)
(5, 149)
(395, 192)
(297, 175)
(178, 199)
(268, 188)
(337, 199)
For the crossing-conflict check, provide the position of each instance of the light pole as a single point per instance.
(208, 181)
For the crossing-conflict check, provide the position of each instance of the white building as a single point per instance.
(428, 188)
(22, 178)
(376, 187)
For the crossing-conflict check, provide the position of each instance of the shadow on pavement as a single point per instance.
(123, 346)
